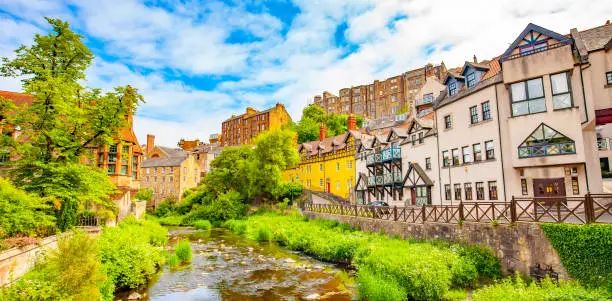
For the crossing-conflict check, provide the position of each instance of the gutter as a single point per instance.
(438, 156)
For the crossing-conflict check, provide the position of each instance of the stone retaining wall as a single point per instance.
(17, 261)
(519, 247)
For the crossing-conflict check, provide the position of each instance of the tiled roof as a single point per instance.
(493, 76)
(209, 148)
(18, 98)
(594, 38)
(172, 151)
(166, 161)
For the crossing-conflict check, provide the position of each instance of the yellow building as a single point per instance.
(328, 164)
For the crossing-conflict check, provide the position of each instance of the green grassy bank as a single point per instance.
(397, 269)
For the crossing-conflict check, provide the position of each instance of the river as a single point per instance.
(230, 267)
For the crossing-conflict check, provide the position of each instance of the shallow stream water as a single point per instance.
(229, 267)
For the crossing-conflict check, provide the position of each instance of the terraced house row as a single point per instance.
(531, 122)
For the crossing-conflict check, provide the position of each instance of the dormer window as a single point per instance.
(452, 89)
(471, 79)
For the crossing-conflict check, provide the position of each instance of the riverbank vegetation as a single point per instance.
(386, 266)
(398, 269)
(90, 268)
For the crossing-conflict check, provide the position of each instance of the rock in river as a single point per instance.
(134, 296)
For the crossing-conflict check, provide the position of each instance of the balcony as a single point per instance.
(604, 144)
(550, 149)
(392, 178)
(371, 181)
(373, 159)
(392, 153)
(423, 101)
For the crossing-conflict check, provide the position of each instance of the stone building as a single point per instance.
(380, 99)
(169, 172)
(242, 129)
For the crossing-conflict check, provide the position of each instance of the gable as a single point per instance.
(531, 36)
(361, 182)
(416, 177)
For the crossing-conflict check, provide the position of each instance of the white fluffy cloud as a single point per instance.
(165, 51)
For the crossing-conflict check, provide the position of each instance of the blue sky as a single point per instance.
(198, 62)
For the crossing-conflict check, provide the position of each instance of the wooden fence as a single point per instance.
(591, 208)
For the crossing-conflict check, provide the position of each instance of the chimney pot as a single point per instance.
(475, 59)
(352, 123)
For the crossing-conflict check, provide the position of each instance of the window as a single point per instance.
(480, 191)
(445, 158)
(421, 138)
(448, 123)
(524, 187)
(490, 149)
(320, 182)
(471, 79)
(530, 49)
(337, 166)
(320, 167)
(452, 89)
(527, 97)
(349, 164)
(609, 78)
(337, 185)
(575, 187)
(447, 191)
(111, 169)
(477, 152)
(473, 115)
(466, 154)
(428, 98)
(562, 97)
(428, 163)
(545, 141)
(486, 111)
(457, 191)
(492, 190)
(468, 191)
(456, 157)
(155, 179)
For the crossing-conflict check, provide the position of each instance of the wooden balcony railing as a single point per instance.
(591, 208)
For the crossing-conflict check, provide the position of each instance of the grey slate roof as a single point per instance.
(594, 38)
(162, 162)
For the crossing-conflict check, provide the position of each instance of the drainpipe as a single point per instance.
(586, 112)
(586, 174)
(501, 153)
(438, 157)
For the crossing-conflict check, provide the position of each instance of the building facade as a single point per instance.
(242, 129)
(382, 98)
(328, 164)
(533, 122)
(169, 172)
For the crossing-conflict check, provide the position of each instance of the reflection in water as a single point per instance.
(229, 267)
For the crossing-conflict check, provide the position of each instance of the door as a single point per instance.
(549, 188)
(412, 196)
(328, 186)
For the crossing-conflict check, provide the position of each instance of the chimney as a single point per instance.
(351, 123)
(475, 60)
(608, 22)
(322, 131)
(150, 142)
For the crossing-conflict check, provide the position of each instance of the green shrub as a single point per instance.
(375, 287)
(183, 250)
(131, 253)
(456, 295)
(173, 260)
(172, 220)
(225, 207)
(237, 226)
(202, 224)
(584, 250)
(511, 289)
(264, 234)
(166, 207)
(144, 194)
(485, 263)
(22, 213)
(70, 272)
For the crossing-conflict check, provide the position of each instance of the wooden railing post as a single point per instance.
(513, 216)
(395, 213)
(589, 210)
(423, 213)
(355, 210)
(461, 216)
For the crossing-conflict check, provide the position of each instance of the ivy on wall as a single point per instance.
(585, 250)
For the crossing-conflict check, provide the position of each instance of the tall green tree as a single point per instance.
(65, 119)
(312, 117)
